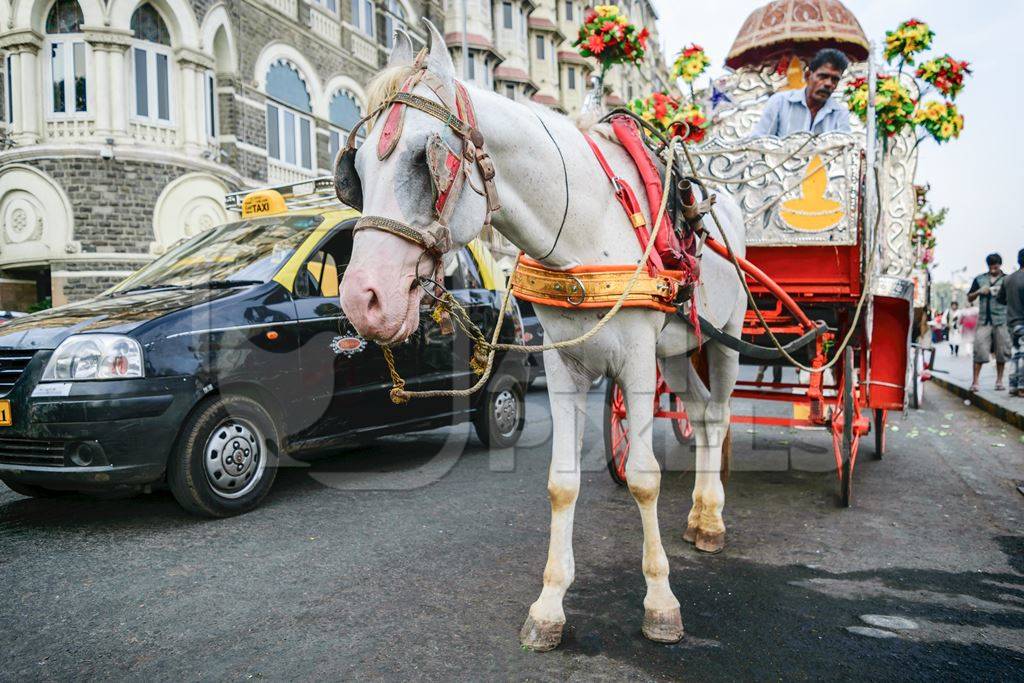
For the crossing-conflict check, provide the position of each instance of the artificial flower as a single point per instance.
(945, 73)
(909, 38)
(608, 35)
(690, 63)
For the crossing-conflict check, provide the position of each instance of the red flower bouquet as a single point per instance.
(945, 73)
(607, 36)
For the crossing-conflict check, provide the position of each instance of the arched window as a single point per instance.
(68, 91)
(394, 18)
(151, 65)
(289, 128)
(344, 112)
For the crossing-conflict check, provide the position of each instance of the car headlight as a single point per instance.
(94, 356)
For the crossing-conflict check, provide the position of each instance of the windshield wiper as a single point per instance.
(145, 288)
(224, 284)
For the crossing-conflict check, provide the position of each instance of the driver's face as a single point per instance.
(822, 83)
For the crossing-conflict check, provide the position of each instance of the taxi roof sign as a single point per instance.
(263, 203)
(315, 193)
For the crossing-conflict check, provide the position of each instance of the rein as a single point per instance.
(485, 350)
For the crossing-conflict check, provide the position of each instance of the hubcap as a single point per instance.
(234, 458)
(506, 412)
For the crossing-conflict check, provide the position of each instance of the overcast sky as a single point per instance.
(979, 176)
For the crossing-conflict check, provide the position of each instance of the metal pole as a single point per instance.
(871, 235)
(465, 41)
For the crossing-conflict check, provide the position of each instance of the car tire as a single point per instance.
(226, 458)
(33, 491)
(499, 419)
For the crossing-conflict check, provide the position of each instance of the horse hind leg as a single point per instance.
(567, 393)
(662, 620)
(723, 367)
(686, 381)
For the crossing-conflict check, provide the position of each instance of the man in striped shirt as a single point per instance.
(811, 110)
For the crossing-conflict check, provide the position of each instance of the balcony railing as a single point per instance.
(67, 129)
(278, 172)
(152, 134)
(289, 8)
(325, 25)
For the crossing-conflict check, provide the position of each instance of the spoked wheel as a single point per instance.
(916, 384)
(681, 427)
(616, 433)
(845, 435)
(881, 417)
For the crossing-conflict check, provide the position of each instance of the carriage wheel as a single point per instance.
(681, 427)
(616, 433)
(880, 420)
(845, 439)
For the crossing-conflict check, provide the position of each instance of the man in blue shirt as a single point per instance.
(811, 110)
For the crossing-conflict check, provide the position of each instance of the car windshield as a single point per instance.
(246, 252)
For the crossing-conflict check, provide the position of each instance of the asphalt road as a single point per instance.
(336, 576)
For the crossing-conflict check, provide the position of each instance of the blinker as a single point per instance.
(347, 184)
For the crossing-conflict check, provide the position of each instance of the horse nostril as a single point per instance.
(373, 301)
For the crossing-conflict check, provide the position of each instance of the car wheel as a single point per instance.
(33, 491)
(226, 458)
(499, 420)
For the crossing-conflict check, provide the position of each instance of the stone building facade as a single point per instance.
(123, 123)
(523, 49)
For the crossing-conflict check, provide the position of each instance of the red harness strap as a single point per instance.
(464, 106)
(624, 193)
(666, 242)
(667, 247)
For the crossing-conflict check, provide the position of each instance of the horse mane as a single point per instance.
(384, 86)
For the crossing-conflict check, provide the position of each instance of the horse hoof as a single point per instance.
(711, 544)
(663, 626)
(540, 636)
(690, 535)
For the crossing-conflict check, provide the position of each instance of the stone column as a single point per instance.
(24, 45)
(110, 92)
(31, 95)
(14, 104)
(191, 67)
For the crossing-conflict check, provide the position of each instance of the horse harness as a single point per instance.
(449, 170)
(596, 286)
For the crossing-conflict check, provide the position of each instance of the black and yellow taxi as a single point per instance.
(204, 369)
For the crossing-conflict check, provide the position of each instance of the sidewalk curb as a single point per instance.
(1004, 414)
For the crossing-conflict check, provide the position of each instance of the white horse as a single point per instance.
(528, 144)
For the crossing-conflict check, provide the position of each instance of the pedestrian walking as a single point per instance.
(955, 329)
(992, 337)
(1011, 294)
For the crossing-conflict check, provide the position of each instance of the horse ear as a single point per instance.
(439, 62)
(401, 53)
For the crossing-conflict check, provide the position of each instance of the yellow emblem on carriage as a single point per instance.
(812, 211)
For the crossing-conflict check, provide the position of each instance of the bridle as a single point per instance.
(449, 171)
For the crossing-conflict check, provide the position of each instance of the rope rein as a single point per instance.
(485, 349)
(399, 394)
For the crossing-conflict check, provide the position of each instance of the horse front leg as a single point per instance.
(567, 392)
(662, 620)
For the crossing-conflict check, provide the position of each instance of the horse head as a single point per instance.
(410, 176)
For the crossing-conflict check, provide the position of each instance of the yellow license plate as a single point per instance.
(5, 413)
